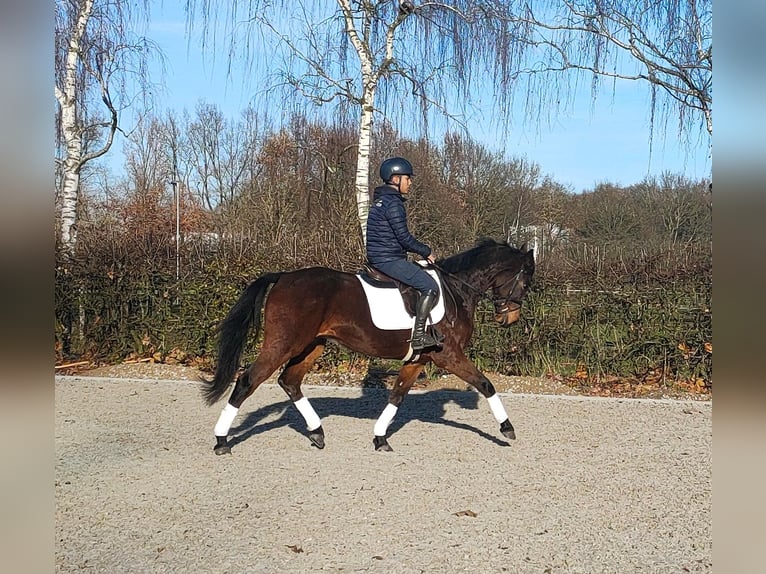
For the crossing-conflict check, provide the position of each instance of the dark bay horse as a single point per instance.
(305, 308)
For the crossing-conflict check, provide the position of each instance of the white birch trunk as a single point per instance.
(370, 78)
(70, 185)
(70, 190)
(72, 164)
(363, 161)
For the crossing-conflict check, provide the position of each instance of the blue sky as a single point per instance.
(584, 147)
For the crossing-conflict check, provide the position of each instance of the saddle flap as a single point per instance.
(395, 308)
(378, 279)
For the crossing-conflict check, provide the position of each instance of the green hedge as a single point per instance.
(627, 332)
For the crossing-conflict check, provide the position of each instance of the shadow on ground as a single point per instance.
(428, 407)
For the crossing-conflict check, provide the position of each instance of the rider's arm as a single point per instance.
(397, 217)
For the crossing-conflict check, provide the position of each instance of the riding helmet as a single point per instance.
(394, 166)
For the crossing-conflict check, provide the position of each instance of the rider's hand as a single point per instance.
(431, 258)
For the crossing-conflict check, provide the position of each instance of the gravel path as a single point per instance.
(590, 486)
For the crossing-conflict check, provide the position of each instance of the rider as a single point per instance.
(389, 240)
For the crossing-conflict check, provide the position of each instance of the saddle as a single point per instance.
(379, 279)
(393, 304)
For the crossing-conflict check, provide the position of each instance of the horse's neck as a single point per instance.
(469, 285)
(478, 279)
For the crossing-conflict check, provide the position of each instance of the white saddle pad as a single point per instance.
(387, 308)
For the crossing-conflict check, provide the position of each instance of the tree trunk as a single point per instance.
(69, 198)
(362, 182)
(72, 164)
(67, 99)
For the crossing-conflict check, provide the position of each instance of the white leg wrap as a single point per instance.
(497, 408)
(313, 421)
(224, 421)
(385, 418)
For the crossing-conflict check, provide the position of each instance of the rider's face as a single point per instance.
(404, 183)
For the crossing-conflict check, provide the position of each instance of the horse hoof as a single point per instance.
(221, 445)
(507, 429)
(317, 437)
(381, 444)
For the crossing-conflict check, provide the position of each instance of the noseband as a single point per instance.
(502, 304)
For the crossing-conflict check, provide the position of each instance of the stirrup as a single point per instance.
(435, 335)
(425, 342)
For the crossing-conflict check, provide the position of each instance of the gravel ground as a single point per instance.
(378, 378)
(590, 486)
(382, 379)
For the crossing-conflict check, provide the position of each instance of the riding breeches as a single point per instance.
(409, 273)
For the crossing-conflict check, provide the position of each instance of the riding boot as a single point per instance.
(420, 338)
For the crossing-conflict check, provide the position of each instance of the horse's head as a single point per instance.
(498, 267)
(511, 284)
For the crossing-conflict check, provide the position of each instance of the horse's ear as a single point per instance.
(523, 247)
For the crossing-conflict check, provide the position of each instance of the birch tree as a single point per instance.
(100, 68)
(367, 59)
(667, 44)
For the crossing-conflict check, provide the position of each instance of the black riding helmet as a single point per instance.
(394, 166)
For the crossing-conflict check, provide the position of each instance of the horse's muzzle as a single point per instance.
(508, 315)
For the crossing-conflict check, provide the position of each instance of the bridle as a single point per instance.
(501, 304)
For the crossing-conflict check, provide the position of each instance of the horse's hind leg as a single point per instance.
(290, 380)
(249, 380)
(408, 374)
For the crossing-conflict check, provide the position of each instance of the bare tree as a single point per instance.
(608, 216)
(96, 57)
(675, 208)
(492, 189)
(368, 58)
(148, 165)
(667, 43)
(386, 58)
(221, 153)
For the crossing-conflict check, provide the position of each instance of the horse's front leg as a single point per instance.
(461, 366)
(408, 374)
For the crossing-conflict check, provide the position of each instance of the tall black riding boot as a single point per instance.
(420, 339)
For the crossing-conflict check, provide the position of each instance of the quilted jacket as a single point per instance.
(388, 237)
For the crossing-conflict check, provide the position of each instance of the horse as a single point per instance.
(304, 308)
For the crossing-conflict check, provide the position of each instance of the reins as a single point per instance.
(482, 294)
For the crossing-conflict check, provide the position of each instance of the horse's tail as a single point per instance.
(232, 335)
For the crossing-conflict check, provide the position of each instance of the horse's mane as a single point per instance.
(484, 251)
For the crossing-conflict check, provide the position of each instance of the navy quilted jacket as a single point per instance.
(388, 237)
